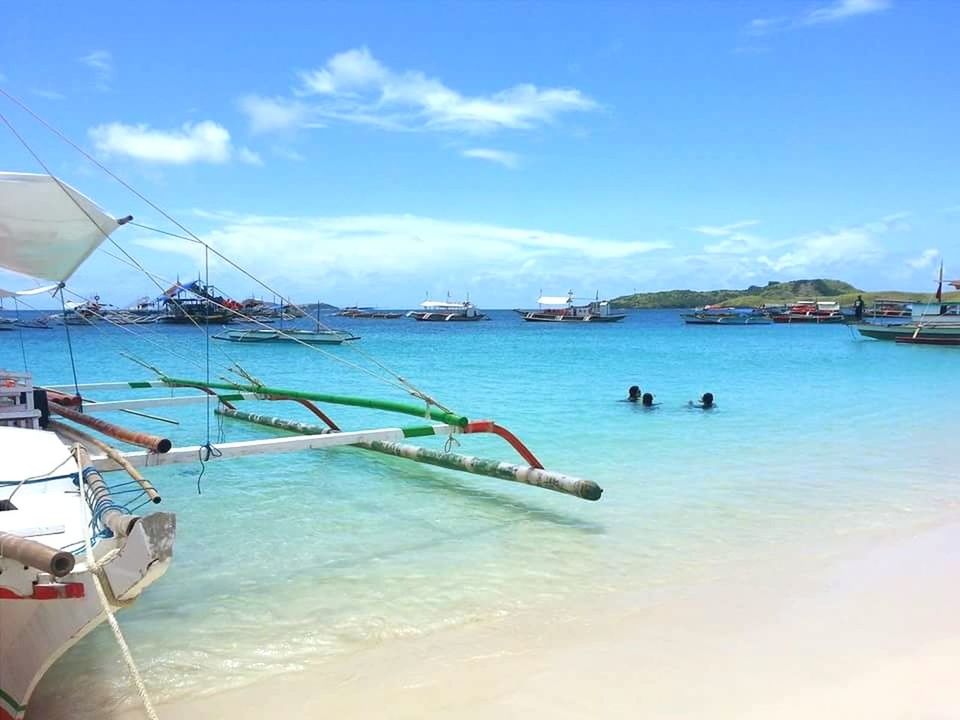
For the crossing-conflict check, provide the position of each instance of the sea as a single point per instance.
(818, 439)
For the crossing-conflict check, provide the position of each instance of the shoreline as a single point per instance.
(872, 634)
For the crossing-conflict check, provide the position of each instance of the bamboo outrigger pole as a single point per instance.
(144, 440)
(537, 477)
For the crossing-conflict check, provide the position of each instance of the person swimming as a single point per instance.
(647, 400)
(633, 394)
(706, 402)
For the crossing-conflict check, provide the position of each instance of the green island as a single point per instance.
(773, 293)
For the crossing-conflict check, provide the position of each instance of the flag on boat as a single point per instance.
(940, 284)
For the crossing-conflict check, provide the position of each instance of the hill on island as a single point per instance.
(773, 293)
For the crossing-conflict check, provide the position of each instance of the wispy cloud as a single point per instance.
(724, 230)
(101, 62)
(202, 142)
(500, 157)
(925, 259)
(397, 251)
(834, 12)
(47, 94)
(355, 87)
(267, 115)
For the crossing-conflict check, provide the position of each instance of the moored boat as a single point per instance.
(447, 311)
(717, 315)
(889, 309)
(810, 311)
(367, 313)
(942, 328)
(560, 308)
(290, 335)
(71, 553)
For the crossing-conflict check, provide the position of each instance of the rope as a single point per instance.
(66, 327)
(204, 454)
(398, 381)
(94, 568)
(23, 349)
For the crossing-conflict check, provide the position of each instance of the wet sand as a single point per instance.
(874, 634)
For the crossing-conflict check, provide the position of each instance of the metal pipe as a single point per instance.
(36, 555)
(144, 440)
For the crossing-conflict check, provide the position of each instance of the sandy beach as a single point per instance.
(872, 634)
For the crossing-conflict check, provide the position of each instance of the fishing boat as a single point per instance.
(447, 311)
(939, 328)
(889, 310)
(717, 315)
(810, 311)
(73, 550)
(562, 308)
(310, 337)
(367, 313)
(195, 303)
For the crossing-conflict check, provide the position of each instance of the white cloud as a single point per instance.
(47, 94)
(834, 12)
(395, 252)
(101, 61)
(925, 259)
(355, 87)
(825, 250)
(724, 230)
(843, 9)
(501, 157)
(272, 114)
(202, 142)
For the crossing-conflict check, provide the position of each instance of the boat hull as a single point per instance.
(790, 319)
(554, 318)
(254, 337)
(446, 317)
(895, 332)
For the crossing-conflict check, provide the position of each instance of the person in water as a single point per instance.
(706, 402)
(633, 394)
(647, 400)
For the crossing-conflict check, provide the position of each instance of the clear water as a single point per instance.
(288, 560)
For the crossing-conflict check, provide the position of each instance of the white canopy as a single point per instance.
(43, 232)
(442, 304)
(554, 299)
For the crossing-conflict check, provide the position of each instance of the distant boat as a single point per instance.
(367, 313)
(561, 308)
(889, 309)
(447, 311)
(715, 315)
(811, 311)
(310, 337)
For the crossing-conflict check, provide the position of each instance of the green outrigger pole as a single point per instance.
(443, 416)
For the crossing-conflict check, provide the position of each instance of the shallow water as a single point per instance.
(818, 438)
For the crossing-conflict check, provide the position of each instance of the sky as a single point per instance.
(378, 153)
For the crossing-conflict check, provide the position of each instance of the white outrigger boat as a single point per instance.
(447, 311)
(73, 550)
(560, 308)
(306, 337)
(71, 553)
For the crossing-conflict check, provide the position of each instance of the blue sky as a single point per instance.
(374, 152)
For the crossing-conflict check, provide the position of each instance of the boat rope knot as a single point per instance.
(450, 444)
(205, 453)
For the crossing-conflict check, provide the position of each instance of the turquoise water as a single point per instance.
(288, 560)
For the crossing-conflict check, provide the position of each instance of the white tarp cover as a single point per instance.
(553, 299)
(442, 304)
(43, 233)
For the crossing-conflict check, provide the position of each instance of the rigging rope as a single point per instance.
(399, 381)
(66, 327)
